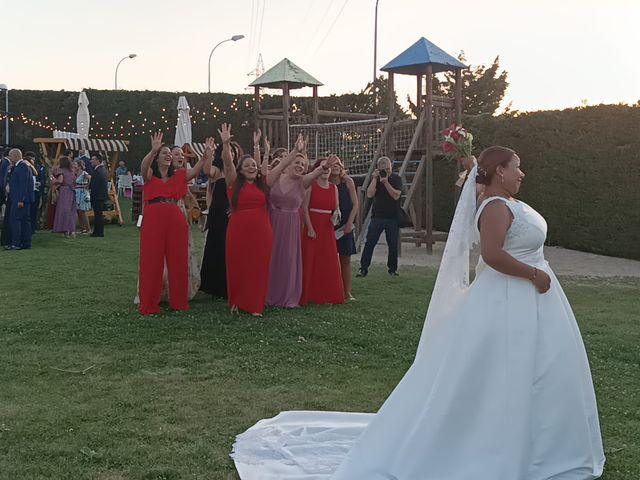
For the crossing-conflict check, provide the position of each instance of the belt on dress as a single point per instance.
(317, 210)
(163, 200)
(287, 210)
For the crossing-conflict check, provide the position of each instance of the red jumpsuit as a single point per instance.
(164, 236)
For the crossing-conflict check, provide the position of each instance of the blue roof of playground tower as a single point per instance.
(414, 60)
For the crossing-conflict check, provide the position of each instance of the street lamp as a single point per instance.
(6, 112)
(375, 44)
(132, 55)
(235, 38)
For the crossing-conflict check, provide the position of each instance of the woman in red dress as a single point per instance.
(321, 276)
(165, 234)
(249, 234)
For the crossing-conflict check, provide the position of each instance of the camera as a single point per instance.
(383, 173)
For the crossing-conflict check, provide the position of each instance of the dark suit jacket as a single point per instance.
(21, 184)
(99, 185)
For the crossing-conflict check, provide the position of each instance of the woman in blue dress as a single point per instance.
(83, 199)
(345, 237)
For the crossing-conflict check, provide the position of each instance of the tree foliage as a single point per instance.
(483, 87)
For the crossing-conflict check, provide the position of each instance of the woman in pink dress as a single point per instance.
(285, 200)
(66, 214)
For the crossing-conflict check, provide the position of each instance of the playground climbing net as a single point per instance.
(355, 142)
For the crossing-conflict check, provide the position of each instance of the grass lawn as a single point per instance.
(166, 395)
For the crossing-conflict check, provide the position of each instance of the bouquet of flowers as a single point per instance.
(457, 145)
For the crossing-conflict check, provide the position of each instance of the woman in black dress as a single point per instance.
(213, 272)
(348, 205)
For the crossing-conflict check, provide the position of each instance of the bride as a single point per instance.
(500, 388)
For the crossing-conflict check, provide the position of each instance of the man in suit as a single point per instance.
(98, 189)
(21, 197)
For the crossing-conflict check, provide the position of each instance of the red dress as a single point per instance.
(164, 236)
(249, 240)
(321, 276)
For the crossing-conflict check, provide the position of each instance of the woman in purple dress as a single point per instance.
(66, 215)
(288, 183)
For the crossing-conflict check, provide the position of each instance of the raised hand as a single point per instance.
(300, 144)
(267, 145)
(210, 146)
(156, 141)
(306, 143)
(332, 160)
(256, 137)
(225, 133)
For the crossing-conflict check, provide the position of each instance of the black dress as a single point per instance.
(213, 272)
(346, 244)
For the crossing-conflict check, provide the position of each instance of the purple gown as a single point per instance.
(66, 214)
(285, 274)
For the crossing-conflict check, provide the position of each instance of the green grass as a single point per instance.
(167, 394)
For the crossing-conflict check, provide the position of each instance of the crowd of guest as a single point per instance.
(62, 200)
(279, 232)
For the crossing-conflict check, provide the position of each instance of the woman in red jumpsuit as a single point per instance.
(321, 275)
(165, 235)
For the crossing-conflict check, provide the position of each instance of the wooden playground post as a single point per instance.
(285, 112)
(429, 159)
(315, 106)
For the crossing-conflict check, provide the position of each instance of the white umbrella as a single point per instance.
(83, 120)
(183, 129)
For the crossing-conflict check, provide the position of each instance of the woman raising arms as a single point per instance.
(288, 183)
(164, 236)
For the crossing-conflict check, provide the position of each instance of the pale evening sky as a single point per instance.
(557, 52)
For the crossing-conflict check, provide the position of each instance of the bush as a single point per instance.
(582, 169)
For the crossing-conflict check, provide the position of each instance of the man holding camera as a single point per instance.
(385, 189)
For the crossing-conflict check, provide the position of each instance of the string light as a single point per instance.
(145, 126)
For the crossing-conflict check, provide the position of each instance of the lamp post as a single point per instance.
(375, 44)
(132, 55)
(235, 38)
(6, 112)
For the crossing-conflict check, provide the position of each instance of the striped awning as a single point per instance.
(96, 144)
(197, 148)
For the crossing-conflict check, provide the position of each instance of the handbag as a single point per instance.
(404, 220)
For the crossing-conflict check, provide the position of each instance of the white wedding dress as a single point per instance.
(500, 388)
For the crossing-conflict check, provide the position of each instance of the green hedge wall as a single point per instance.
(124, 107)
(582, 171)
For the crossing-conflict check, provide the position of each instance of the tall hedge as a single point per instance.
(582, 171)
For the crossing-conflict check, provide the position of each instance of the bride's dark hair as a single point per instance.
(490, 159)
